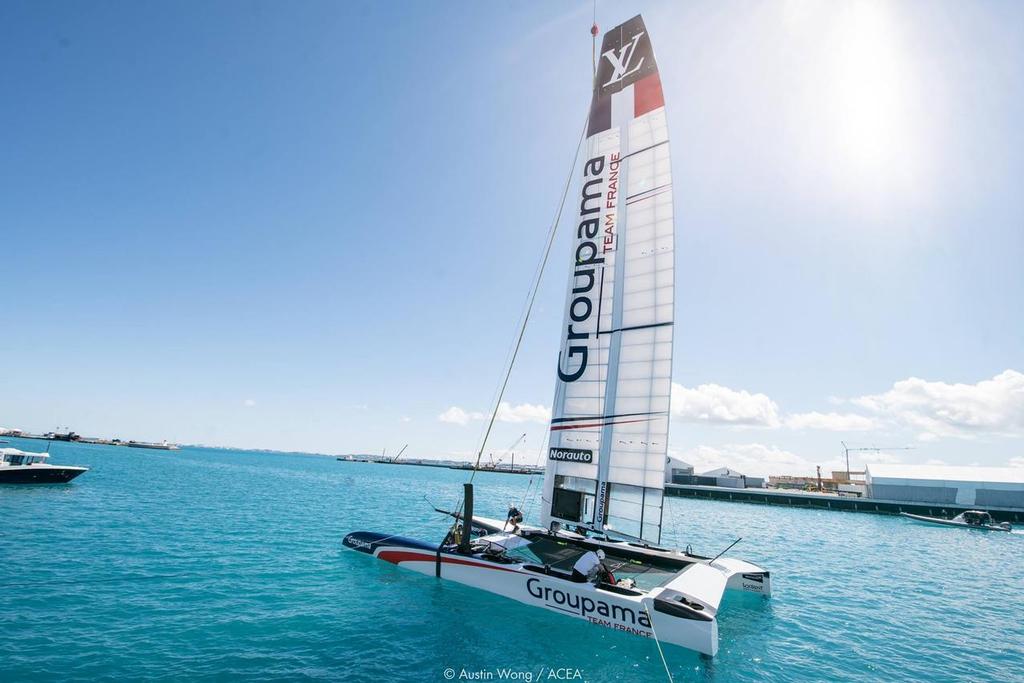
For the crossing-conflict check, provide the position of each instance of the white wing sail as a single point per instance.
(609, 427)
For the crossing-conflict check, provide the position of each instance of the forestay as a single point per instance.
(609, 430)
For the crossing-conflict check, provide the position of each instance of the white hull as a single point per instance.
(682, 612)
(629, 614)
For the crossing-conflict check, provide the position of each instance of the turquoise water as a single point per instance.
(212, 564)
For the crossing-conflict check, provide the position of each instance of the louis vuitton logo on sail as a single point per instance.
(620, 60)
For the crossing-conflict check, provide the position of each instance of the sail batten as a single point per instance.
(609, 427)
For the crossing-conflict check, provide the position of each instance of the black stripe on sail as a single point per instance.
(600, 417)
(634, 327)
(653, 189)
(639, 151)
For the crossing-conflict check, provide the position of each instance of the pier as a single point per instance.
(824, 501)
(444, 464)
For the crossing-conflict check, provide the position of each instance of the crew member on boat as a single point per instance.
(514, 517)
(590, 567)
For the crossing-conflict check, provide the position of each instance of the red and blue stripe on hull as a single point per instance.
(399, 549)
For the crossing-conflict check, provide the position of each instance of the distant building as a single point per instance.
(786, 481)
(730, 478)
(839, 483)
(972, 486)
(674, 467)
(679, 472)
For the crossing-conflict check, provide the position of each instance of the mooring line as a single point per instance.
(658, 643)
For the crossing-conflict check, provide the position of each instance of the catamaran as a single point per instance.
(606, 456)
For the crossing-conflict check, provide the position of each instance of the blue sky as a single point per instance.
(312, 226)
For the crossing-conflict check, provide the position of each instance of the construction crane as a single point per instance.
(875, 449)
(395, 459)
(509, 450)
(496, 463)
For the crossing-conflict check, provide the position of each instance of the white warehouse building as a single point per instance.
(982, 487)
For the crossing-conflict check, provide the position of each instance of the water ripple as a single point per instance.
(209, 564)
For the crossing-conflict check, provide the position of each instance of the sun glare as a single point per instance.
(875, 132)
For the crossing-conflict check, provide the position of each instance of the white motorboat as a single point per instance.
(970, 519)
(608, 437)
(23, 467)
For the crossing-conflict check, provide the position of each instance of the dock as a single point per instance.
(825, 501)
(443, 464)
(72, 437)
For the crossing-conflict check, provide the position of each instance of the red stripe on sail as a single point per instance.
(647, 95)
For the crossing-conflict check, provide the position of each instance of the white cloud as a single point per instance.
(716, 404)
(524, 412)
(935, 461)
(248, 403)
(992, 406)
(753, 459)
(406, 418)
(1017, 462)
(455, 415)
(832, 422)
(934, 409)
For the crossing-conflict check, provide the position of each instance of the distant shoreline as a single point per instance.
(71, 437)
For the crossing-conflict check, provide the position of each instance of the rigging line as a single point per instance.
(725, 551)
(537, 492)
(522, 501)
(527, 501)
(658, 643)
(533, 296)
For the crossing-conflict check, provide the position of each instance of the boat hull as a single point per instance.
(630, 612)
(39, 474)
(949, 522)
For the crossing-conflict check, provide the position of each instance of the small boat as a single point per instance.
(971, 519)
(597, 553)
(162, 446)
(22, 467)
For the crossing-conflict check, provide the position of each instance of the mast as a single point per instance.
(609, 427)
